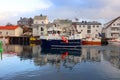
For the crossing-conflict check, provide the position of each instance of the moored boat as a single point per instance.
(56, 39)
(91, 41)
(114, 41)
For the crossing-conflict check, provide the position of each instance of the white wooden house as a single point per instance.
(112, 28)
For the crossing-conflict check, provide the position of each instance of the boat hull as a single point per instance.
(61, 51)
(60, 43)
(91, 42)
(114, 42)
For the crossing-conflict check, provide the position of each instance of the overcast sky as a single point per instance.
(100, 10)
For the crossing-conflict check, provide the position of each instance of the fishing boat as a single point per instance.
(57, 39)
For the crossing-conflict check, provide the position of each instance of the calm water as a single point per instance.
(33, 63)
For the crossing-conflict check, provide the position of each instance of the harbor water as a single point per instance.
(31, 62)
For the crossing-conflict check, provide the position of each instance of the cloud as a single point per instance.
(23, 5)
(86, 9)
(83, 9)
(11, 8)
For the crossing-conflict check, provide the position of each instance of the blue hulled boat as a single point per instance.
(60, 44)
(55, 39)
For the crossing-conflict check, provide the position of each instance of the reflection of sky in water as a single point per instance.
(88, 63)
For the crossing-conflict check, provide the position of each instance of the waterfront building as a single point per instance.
(88, 29)
(41, 19)
(40, 25)
(25, 22)
(112, 28)
(90, 54)
(64, 24)
(39, 29)
(112, 55)
(10, 31)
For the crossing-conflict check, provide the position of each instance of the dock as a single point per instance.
(19, 40)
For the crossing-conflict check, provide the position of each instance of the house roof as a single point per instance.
(8, 27)
(111, 22)
(62, 21)
(40, 17)
(86, 23)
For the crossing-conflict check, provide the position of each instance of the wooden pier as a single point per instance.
(23, 40)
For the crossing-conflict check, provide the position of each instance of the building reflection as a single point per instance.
(25, 52)
(112, 55)
(66, 58)
(91, 54)
(58, 57)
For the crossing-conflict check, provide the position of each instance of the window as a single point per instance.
(6, 33)
(89, 27)
(54, 32)
(41, 33)
(42, 22)
(88, 31)
(93, 26)
(96, 35)
(97, 26)
(111, 34)
(42, 29)
(118, 24)
(0, 33)
(83, 25)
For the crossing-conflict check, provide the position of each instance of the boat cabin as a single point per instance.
(54, 31)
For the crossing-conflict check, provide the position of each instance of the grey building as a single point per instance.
(25, 21)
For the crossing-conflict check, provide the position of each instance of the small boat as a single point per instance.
(56, 39)
(114, 41)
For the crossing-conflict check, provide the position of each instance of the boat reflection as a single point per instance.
(25, 52)
(112, 55)
(91, 54)
(66, 58)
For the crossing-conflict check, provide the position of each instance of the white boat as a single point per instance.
(114, 41)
